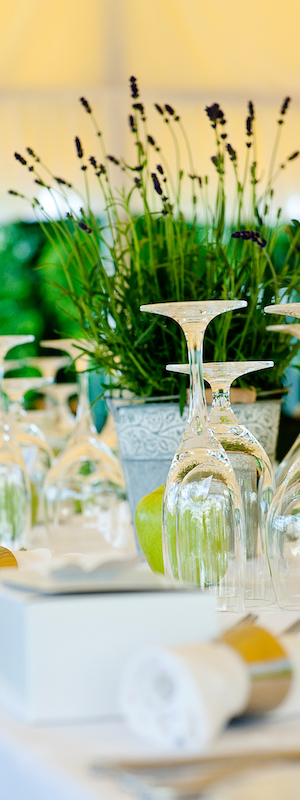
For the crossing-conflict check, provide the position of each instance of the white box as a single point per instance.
(61, 657)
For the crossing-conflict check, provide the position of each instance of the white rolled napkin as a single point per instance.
(181, 697)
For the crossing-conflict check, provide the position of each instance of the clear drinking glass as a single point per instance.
(252, 468)
(15, 501)
(203, 516)
(34, 447)
(84, 491)
(292, 329)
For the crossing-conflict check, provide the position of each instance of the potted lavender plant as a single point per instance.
(146, 249)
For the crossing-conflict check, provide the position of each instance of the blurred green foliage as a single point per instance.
(28, 304)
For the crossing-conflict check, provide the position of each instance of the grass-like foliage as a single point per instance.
(146, 249)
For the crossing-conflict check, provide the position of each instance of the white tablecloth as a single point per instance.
(52, 762)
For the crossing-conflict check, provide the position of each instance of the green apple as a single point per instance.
(203, 542)
(148, 528)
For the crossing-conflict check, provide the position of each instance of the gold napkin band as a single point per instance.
(7, 558)
(268, 664)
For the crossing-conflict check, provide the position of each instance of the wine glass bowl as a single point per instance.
(252, 468)
(35, 449)
(15, 503)
(84, 491)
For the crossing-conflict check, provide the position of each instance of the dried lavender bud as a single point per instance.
(156, 183)
(159, 169)
(294, 155)
(30, 169)
(93, 161)
(164, 212)
(84, 227)
(215, 160)
(30, 152)
(151, 140)
(139, 107)
(40, 183)
(113, 159)
(70, 216)
(101, 171)
(223, 135)
(85, 105)
(251, 109)
(200, 181)
(138, 168)
(223, 121)
(214, 112)
(138, 181)
(159, 109)
(249, 121)
(63, 182)
(84, 168)
(133, 87)
(253, 236)
(177, 119)
(164, 198)
(16, 194)
(192, 177)
(169, 109)
(21, 159)
(284, 106)
(78, 147)
(232, 152)
(248, 144)
(132, 123)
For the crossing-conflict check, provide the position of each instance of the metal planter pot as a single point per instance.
(149, 433)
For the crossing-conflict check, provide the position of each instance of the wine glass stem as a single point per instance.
(198, 410)
(83, 400)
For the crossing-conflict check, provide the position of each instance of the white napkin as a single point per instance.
(181, 697)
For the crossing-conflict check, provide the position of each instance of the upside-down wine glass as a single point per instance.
(48, 417)
(292, 329)
(252, 468)
(34, 447)
(15, 501)
(84, 493)
(203, 516)
(283, 520)
(60, 394)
